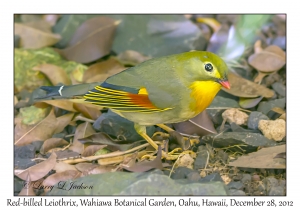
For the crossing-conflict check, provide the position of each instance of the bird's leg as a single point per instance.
(166, 128)
(169, 130)
(141, 130)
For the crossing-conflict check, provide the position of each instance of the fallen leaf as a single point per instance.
(200, 125)
(91, 41)
(104, 139)
(32, 38)
(52, 143)
(247, 89)
(264, 158)
(92, 149)
(60, 177)
(131, 57)
(54, 73)
(63, 121)
(147, 165)
(102, 70)
(25, 134)
(62, 166)
(83, 130)
(38, 171)
(248, 103)
(89, 112)
(85, 166)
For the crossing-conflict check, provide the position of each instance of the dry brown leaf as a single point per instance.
(131, 57)
(38, 171)
(54, 73)
(52, 143)
(200, 125)
(25, 134)
(91, 41)
(61, 167)
(32, 38)
(101, 71)
(147, 165)
(63, 121)
(83, 130)
(89, 112)
(102, 169)
(263, 158)
(85, 166)
(247, 89)
(63, 104)
(27, 190)
(92, 149)
(40, 25)
(268, 60)
(62, 176)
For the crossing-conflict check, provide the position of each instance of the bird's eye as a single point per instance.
(208, 67)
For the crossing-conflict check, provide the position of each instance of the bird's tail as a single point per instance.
(64, 92)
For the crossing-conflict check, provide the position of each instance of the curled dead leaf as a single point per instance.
(38, 171)
(54, 73)
(83, 130)
(32, 38)
(101, 71)
(245, 88)
(25, 134)
(52, 143)
(91, 41)
(59, 177)
(200, 125)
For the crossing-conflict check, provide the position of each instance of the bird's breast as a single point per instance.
(202, 94)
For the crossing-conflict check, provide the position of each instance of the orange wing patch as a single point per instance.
(121, 100)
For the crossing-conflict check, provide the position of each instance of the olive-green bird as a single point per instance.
(168, 89)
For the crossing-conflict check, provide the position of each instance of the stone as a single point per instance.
(254, 119)
(236, 116)
(274, 130)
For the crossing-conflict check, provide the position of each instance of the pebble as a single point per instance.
(255, 178)
(275, 191)
(234, 192)
(274, 130)
(235, 185)
(236, 116)
(266, 106)
(279, 88)
(254, 119)
(201, 158)
(246, 178)
(181, 173)
(194, 176)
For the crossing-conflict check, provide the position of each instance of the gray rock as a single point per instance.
(235, 185)
(201, 158)
(246, 178)
(181, 173)
(194, 176)
(270, 182)
(124, 183)
(218, 102)
(279, 88)
(266, 106)
(254, 119)
(250, 140)
(211, 178)
(277, 190)
(234, 192)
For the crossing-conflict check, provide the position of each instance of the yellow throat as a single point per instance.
(203, 92)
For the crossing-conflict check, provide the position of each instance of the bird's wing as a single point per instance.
(124, 99)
